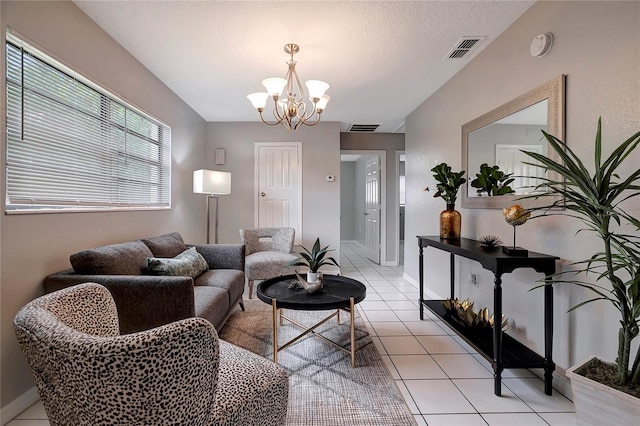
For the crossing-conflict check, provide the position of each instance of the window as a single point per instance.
(72, 145)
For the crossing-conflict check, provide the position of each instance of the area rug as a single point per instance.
(323, 388)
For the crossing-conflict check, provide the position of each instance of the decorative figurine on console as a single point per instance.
(515, 215)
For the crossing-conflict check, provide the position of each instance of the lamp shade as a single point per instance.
(211, 182)
(274, 86)
(316, 88)
(322, 103)
(258, 99)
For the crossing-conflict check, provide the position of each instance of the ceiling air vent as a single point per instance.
(464, 46)
(363, 128)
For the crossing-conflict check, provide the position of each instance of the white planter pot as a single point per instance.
(312, 277)
(597, 404)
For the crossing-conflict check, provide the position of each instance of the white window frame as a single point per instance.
(63, 155)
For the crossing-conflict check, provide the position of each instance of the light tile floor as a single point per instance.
(444, 382)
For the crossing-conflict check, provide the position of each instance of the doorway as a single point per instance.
(362, 201)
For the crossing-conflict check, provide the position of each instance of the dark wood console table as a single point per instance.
(502, 350)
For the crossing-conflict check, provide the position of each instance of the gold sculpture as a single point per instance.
(515, 215)
(462, 312)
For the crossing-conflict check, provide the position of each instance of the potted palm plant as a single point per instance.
(314, 259)
(598, 200)
(449, 182)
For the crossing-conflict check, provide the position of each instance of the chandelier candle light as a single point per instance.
(289, 108)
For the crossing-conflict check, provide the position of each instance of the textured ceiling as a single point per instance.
(382, 59)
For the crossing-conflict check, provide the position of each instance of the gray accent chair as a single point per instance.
(176, 374)
(267, 250)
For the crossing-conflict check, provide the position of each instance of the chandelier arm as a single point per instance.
(300, 87)
(267, 122)
(307, 123)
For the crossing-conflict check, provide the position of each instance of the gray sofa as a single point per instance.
(150, 282)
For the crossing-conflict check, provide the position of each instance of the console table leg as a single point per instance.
(421, 275)
(452, 274)
(497, 335)
(548, 335)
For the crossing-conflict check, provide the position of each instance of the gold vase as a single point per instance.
(450, 223)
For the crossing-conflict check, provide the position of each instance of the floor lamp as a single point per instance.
(212, 183)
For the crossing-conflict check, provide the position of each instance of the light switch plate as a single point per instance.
(330, 178)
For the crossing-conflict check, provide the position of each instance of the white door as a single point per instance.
(511, 159)
(372, 209)
(278, 172)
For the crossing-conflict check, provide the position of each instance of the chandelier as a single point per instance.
(289, 108)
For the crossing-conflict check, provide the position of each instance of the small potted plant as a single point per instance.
(449, 183)
(492, 181)
(314, 259)
(602, 391)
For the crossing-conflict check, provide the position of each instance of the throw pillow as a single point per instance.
(167, 245)
(188, 263)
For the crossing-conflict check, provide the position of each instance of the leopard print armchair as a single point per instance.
(177, 374)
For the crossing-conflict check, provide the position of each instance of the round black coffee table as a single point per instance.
(337, 293)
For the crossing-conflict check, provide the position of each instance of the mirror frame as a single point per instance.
(554, 91)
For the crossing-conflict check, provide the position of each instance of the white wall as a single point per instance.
(347, 200)
(320, 157)
(597, 46)
(35, 245)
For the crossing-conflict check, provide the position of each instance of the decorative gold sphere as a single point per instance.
(516, 215)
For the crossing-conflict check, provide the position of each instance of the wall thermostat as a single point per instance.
(541, 44)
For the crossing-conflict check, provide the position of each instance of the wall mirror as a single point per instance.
(499, 137)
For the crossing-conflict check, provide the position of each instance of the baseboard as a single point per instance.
(18, 405)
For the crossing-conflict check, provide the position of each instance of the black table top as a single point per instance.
(493, 260)
(335, 293)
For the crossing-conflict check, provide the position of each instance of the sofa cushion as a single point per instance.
(167, 245)
(212, 303)
(188, 263)
(230, 280)
(115, 259)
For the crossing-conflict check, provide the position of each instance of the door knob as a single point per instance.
(262, 194)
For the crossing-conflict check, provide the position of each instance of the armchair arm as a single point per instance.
(170, 372)
(223, 256)
(143, 301)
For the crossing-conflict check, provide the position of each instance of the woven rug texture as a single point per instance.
(323, 388)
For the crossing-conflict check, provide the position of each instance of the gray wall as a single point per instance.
(320, 157)
(35, 245)
(347, 201)
(596, 45)
(389, 142)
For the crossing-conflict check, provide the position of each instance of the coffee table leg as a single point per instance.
(338, 316)
(353, 332)
(275, 330)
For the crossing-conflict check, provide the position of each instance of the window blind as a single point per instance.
(72, 146)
